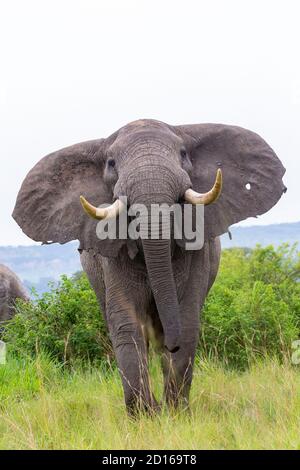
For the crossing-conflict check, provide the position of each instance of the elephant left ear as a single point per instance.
(48, 207)
(252, 173)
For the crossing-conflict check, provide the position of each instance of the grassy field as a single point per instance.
(43, 406)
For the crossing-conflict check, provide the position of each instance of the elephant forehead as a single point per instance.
(145, 142)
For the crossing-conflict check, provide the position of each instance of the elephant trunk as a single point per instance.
(157, 255)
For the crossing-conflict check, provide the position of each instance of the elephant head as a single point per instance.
(150, 162)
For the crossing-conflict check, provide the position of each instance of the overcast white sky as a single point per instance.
(80, 69)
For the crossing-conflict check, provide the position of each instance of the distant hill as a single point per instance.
(36, 265)
(275, 234)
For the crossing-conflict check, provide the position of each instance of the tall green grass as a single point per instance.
(44, 406)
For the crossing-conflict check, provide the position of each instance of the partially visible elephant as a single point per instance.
(11, 289)
(155, 287)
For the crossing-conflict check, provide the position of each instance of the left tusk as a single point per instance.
(101, 213)
(211, 196)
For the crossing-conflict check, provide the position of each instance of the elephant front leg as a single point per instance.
(130, 346)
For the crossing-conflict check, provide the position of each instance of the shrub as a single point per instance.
(64, 322)
(252, 310)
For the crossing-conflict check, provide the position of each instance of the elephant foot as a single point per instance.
(136, 408)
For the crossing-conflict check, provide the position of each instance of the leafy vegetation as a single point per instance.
(65, 323)
(253, 310)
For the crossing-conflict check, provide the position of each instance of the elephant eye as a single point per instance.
(183, 153)
(111, 163)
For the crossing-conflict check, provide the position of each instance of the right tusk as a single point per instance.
(101, 213)
(193, 197)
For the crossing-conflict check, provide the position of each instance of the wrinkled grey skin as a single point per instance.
(152, 289)
(11, 289)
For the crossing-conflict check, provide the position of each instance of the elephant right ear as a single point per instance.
(48, 205)
(252, 173)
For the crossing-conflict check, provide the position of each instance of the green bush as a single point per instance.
(64, 322)
(252, 310)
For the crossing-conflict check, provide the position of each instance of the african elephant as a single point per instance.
(151, 288)
(11, 289)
